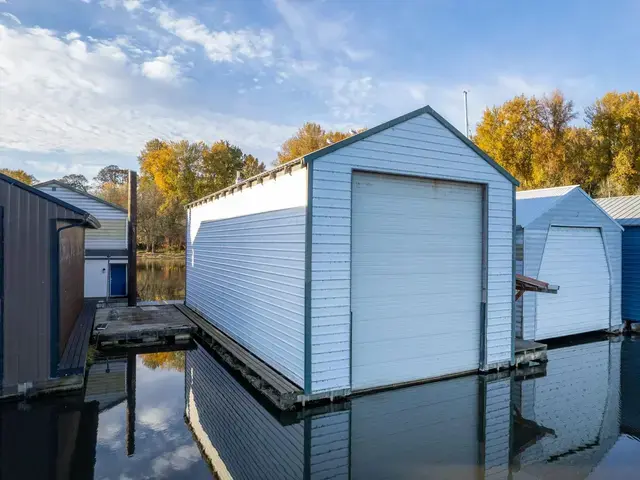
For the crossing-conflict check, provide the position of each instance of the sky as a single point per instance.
(85, 83)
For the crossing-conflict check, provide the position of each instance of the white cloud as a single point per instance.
(11, 17)
(180, 459)
(156, 418)
(131, 5)
(220, 46)
(162, 68)
(72, 36)
(80, 96)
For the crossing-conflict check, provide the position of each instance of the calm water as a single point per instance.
(161, 279)
(183, 415)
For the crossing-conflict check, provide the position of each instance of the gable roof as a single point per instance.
(309, 157)
(403, 118)
(81, 192)
(626, 210)
(90, 220)
(531, 204)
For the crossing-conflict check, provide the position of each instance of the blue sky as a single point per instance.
(84, 83)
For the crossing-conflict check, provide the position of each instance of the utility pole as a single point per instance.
(466, 115)
(132, 224)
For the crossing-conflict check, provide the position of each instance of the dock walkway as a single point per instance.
(143, 325)
(280, 391)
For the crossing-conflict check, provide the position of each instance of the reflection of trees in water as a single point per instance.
(164, 360)
(161, 279)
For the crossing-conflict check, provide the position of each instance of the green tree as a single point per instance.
(19, 175)
(251, 167)
(308, 138)
(112, 174)
(77, 181)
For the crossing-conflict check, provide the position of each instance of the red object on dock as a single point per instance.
(528, 284)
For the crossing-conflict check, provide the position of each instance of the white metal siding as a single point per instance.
(577, 210)
(246, 268)
(422, 147)
(416, 279)
(573, 258)
(113, 231)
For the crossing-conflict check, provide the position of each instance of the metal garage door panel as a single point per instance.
(416, 272)
(574, 258)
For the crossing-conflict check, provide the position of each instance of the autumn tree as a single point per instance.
(614, 121)
(308, 138)
(185, 171)
(76, 180)
(508, 133)
(150, 218)
(19, 175)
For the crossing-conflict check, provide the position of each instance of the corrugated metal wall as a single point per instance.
(246, 268)
(28, 232)
(71, 264)
(631, 273)
(423, 147)
(573, 210)
(112, 235)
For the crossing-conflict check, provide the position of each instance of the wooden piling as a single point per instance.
(132, 238)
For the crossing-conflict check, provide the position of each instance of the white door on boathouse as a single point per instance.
(416, 275)
(575, 259)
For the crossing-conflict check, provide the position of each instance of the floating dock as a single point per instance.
(148, 325)
(528, 351)
(280, 391)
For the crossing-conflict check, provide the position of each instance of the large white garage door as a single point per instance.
(574, 258)
(416, 267)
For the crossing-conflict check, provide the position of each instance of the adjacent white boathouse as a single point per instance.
(383, 259)
(106, 254)
(565, 238)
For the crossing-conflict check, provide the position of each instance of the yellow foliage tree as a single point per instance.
(19, 175)
(309, 138)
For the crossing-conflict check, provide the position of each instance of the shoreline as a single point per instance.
(142, 255)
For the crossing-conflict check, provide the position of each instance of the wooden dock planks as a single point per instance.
(74, 357)
(141, 326)
(279, 390)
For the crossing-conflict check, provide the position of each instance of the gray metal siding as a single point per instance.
(246, 269)
(421, 147)
(631, 274)
(572, 210)
(27, 282)
(113, 231)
